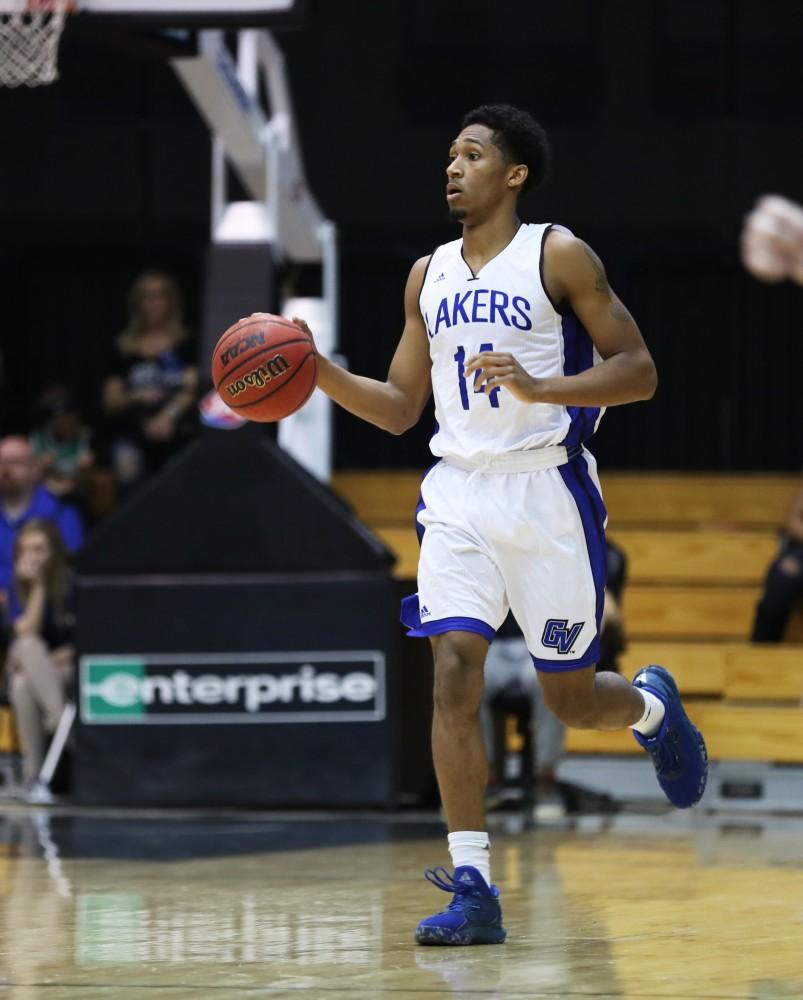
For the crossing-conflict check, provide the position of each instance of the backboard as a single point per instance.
(30, 30)
(200, 13)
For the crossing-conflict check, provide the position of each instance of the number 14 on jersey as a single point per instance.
(460, 358)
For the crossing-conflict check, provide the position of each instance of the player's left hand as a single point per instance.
(498, 369)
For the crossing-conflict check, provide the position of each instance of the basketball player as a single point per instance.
(523, 342)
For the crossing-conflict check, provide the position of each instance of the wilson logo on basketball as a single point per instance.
(252, 340)
(273, 368)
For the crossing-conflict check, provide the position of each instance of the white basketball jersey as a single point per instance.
(503, 308)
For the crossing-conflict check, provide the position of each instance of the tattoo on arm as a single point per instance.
(617, 309)
(601, 282)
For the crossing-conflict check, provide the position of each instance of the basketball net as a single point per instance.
(30, 31)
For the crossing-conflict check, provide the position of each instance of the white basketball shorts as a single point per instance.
(495, 539)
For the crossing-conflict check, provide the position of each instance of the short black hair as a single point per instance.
(518, 135)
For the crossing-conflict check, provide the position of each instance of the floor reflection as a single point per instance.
(674, 908)
(181, 836)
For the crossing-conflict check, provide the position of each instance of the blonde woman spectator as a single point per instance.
(151, 391)
(40, 657)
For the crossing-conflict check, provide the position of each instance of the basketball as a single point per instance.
(264, 367)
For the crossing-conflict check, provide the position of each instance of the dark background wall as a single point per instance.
(667, 117)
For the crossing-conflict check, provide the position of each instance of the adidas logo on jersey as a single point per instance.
(425, 612)
(440, 277)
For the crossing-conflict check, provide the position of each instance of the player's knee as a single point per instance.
(458, 680)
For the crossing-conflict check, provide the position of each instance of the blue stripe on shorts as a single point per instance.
(592, 513)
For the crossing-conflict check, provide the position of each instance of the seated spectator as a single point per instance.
(783, 586)
(23, 498)
(61, 446)
(509, 672)
(151, 392)
(612, 634)
(40, 656)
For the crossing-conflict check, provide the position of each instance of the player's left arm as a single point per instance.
(574, 275)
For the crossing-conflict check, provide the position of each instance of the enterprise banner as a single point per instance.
(231, 688)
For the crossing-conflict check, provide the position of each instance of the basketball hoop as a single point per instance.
(30, 31)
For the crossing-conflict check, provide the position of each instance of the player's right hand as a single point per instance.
(302, 323)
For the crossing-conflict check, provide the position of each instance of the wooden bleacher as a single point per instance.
(698, 546)
(9, 743)
(633, 499)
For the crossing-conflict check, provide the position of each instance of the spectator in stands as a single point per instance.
(62, 446)
(40, 656)
(783, 586)
(510, 676)
(151, 392)
(23, 498)
(612, 636)
(511, 679)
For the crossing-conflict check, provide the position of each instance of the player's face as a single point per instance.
(477, 175)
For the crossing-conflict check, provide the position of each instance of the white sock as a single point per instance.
(471, 847)
(654, 711)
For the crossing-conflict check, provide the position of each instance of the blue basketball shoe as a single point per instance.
(474, 915)
(678, 748)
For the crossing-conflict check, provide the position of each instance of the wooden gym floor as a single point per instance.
(678, 906)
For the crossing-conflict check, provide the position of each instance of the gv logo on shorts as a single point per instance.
(558, 635)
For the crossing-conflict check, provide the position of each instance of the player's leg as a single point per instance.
(560, 614)
(585, 699)
(474, 915)
(507, 664)
(459, 605)
(458, 747)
